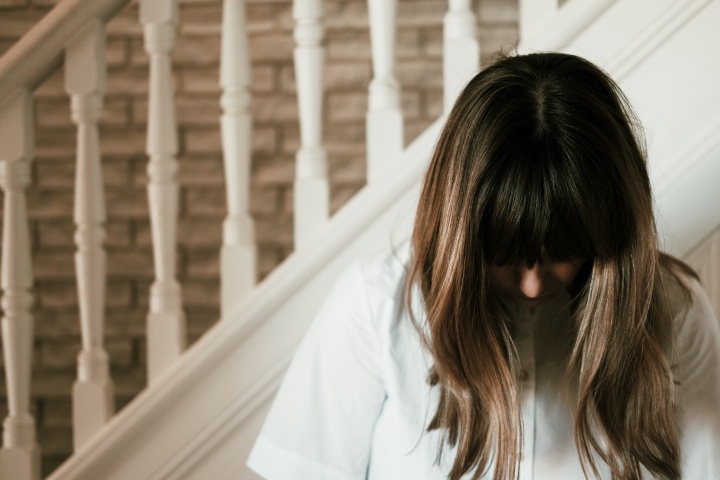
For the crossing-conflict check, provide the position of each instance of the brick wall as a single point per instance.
(275, 140)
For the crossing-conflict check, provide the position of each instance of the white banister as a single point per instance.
(39, 52)
(85, 83)
(533, 12)
(461, 50)
(384, 124)
(237, 255)
(166, 321)
(20, 454)
(311, 190)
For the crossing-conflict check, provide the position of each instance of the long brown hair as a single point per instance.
(541, 156)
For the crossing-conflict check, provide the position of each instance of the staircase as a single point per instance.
(204, 404)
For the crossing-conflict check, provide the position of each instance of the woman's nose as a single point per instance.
(531, 282)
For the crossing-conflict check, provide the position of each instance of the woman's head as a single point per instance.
(539, 163)
(539, 154)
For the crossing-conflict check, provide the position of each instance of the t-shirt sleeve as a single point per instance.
(699, 388)
(321, 422)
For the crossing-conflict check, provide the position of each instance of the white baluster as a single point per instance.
(311, 191)
(461, 50)
(166, 320)
(20, 454)
(533, 12)
(384, 122)
(85, 83)
(237, 256)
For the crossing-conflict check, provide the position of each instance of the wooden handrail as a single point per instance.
(40, 51)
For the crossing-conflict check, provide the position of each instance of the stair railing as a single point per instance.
(73, 35)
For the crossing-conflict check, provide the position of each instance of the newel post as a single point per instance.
(20, 453)
(237, 256)
(384, 123)
(85, 83)
(311, 191)
(166, 319)
(461, 50)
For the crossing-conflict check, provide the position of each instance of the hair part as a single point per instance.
(541, 156)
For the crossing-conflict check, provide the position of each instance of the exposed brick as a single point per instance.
(347, 170)
(201, 19)
(203, 264)
(420, 74)
(348, 44)
(57, 412)
(56, 234)
(493, 39)
(22, 21)
(346, 15)
(410, 104)
(273, 171)
(497, 11)
(135, 263)
(196, 80)
(120, 351)
(125, 23)
(52, 324)
(116, 172)
(347, 76)
(117, 234)
(262, 78)
(407, 44)
(205, 172)
(340, 196)
(264, 140)
(202, 141)
(52, 88)
(50, 204)
(272, 47)
(204, 293)
(130, 81)
(274, 109)
(272, 233)
(116, 52)
(52, 384)
(13, 3)
(56, 441)
(264, 201)
(126, 202)
(347, 106)
(60, 354)
(262, 17)
(138, 55)
(118, 294)
(200, 320)
(197, 51)
(431, 42)
(56, 143)
(267, 259)
(59, 294)
(200, 233)
(48, 265)
(420, 13)
(433, 103)
(59, 173)
(204, 202)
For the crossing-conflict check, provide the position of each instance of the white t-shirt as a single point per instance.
(355, 403)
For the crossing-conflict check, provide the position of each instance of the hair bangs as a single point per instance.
(533, 211)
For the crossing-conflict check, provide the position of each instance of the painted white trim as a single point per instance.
(698, 150)
(568, 22)
(39, 52)
(656, 34)
(218, 343)
(226, 422)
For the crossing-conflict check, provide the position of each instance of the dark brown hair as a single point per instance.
(541, 155)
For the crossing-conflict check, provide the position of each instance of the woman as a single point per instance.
(531, 328)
